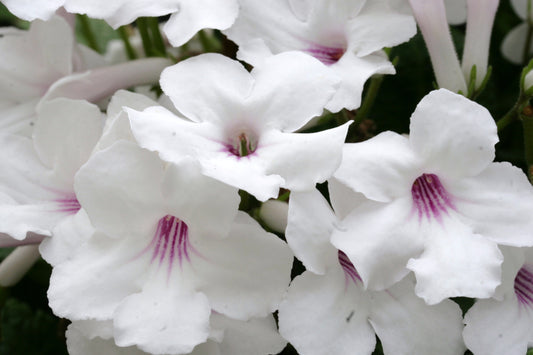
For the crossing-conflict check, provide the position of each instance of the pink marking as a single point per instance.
(430, 198)
(327, 55)
(349, 269)
(69, 205)
(170, 242)
(523, 286)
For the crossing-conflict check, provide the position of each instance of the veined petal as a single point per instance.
(323, 315)
(454, 136)
(119, 188)
(302, 159)
(310, 224)
(245, 274)
(289, 89)
(209, 87)
(383, 182)
(405, 324)
(195, 15)
(455, 262)
(379, 239)
(163, 320)
(497, 204)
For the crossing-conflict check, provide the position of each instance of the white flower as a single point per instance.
(439, 204)
(227, 337)
(505, 325)
(328, 311)
(455, 11)
(240, 124)
(37, 175)
(345, 35)
(166, 252)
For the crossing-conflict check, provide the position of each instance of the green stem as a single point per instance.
(123, 32)
(509, 118)
(368, 101)
(157, 38)
(88, 32)
(142, 25)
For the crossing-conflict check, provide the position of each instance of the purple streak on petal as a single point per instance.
(523, 286)
(430, 198)
(327, 55)
(349, 269)
(68, 205)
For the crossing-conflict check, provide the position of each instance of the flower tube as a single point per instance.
(431, 18)
(479, 27)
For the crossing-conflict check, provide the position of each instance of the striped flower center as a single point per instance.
(170, 243)
(327, 55)
(349, 270)
(523, 285)
(430, 198)
(68, 205)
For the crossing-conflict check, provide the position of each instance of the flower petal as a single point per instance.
(245, 274)
(311, 222)
(495, 328)
(207, 88)
(497, 204)
(302, 159)
(323, 315)
(456, 263)
(379, 239)
(198, 14)
(406, 325)
(289, 89)
(454, 136)
(514, 43)
(391, 178)
(163, 320)
(120, 188)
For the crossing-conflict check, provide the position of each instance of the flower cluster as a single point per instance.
(170, 190)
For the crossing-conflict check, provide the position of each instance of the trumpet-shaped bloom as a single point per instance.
(328, 311)
(240, 124)
(226, 338)
(346, 36)
(438, 203)
(169, 248)
(504, 325)
(37, 175)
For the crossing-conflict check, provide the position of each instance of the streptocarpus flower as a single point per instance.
(438, 203)
(167, 251)
(345, 35)
(240, 124)
(328, 311)
(505, 325)
(514, 43)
